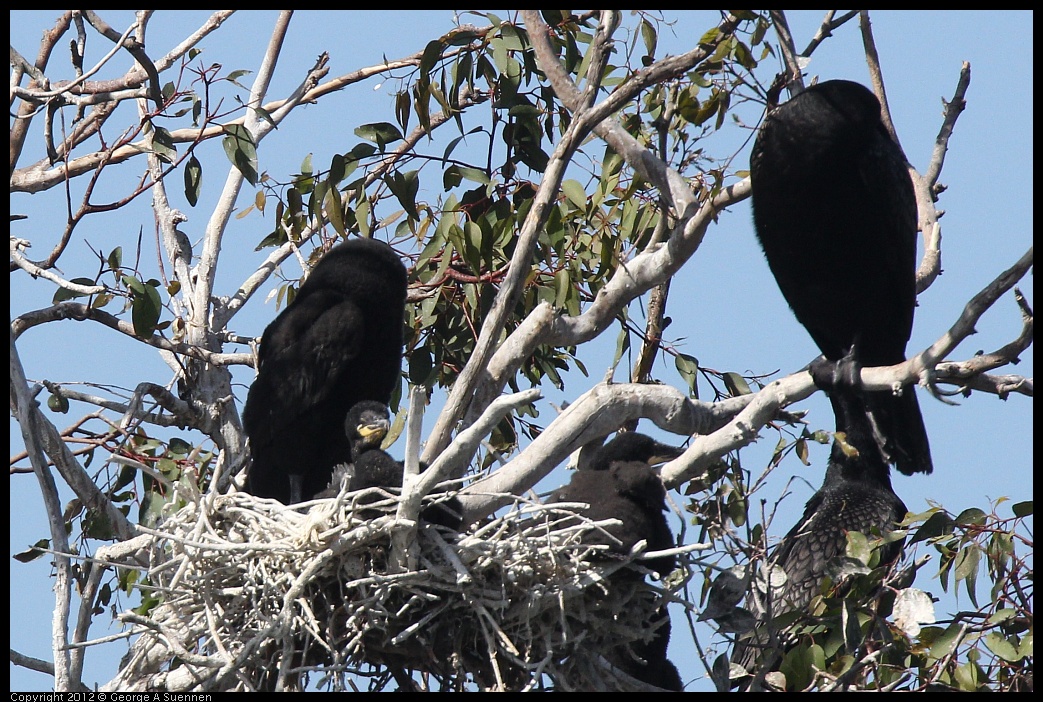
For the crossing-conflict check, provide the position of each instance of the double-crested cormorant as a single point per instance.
(619, 483)
(366, 426)
(856, 495)
(338, 343)
(835, 212)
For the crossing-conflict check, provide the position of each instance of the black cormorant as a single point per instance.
(338, 343)
(619, 483)
(366, 426)
(835, 212)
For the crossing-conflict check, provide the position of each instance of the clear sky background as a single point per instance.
(726, 308)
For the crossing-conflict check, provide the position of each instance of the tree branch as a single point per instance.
(507, 296)
(135, 47)
(544, 326)
(35, 433)
(26, 111)
(926, 187)
(721, 427)
(454, 460)
(974, 370)
(42, 437)
(951, 112)
(972, 311)
(206, 270)
(403, 538)
(250, 286)
(80, 312)
(596, 413)
(825, 30)
(794, 73)
(649, 268)
(876, 76)
(182, 413)
(41, 176)
(133, 79)
(38, 272)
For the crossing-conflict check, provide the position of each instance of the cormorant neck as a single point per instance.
(871, 464)
(868, 466)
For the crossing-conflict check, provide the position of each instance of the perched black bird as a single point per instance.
(856, 495)
(835, 212)
(338, 343)
(366, 426)
(619, 483)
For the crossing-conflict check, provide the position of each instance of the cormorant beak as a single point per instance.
(664, 453)
(372, 433)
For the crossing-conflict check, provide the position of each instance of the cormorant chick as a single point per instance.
(620, 483)
(338, 343)
(631, 492)
(366, 426)
(856, 495)
(835, 212)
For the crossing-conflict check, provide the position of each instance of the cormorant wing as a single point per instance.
(315, 340)
(892, 229)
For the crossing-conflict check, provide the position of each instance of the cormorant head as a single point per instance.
(851, 106)
(632, 446)
(366, 426)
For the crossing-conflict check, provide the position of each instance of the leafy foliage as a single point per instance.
(869, 630)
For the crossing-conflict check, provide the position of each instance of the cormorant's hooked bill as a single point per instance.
(366, 426)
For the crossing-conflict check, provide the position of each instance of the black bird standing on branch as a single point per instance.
(620, 483)
(366, 426)
(856, 496)
(835, 212)
(339, 342)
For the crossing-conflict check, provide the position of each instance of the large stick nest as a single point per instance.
(256, 595)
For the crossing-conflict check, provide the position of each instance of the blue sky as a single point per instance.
(725, 306)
